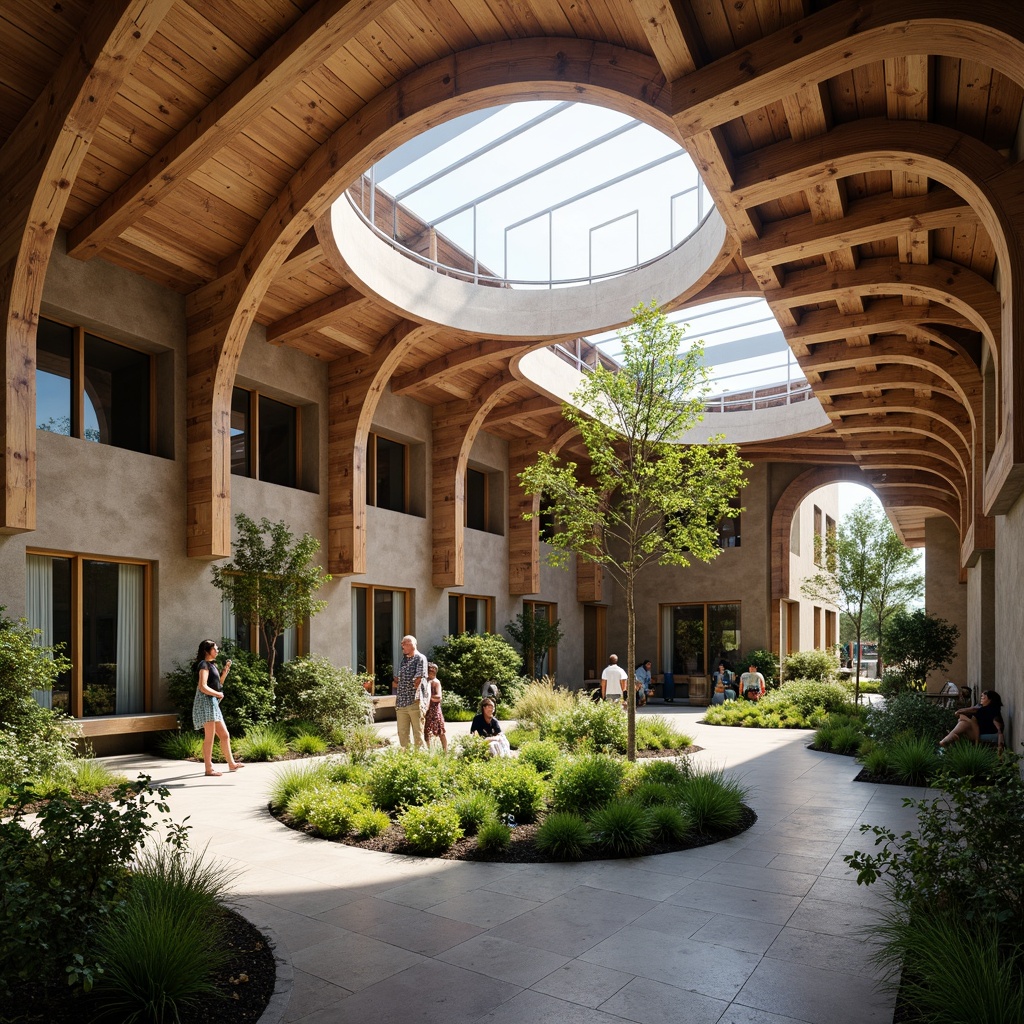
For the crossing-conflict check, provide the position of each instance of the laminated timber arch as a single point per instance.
(902, 493)
(220, 313)
(38, 164)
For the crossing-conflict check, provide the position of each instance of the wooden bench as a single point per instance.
(116, 725)
(383, 707)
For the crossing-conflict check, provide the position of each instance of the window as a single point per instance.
(545, 520)
(387, 464)
(98, 610)
(468, 614)
(544, 661)
(817, 627)
(93, 389)
(830, 631)
(476, 499)
(819, 538)
(831, 552)
(246, 636)
(729, 527)
(696, 636)
(379, 620)
(264, 438)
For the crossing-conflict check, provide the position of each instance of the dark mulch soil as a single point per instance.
(245, 985)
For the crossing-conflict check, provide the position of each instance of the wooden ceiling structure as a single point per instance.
(864, 156)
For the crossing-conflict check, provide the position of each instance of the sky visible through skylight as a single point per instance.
(550, 194)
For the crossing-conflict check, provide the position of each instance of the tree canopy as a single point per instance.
(271, 581)
(646, 497)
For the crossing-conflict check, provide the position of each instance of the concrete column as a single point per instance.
(981, 622)
(944, 594)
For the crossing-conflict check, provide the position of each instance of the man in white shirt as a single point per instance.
(613, 680)
(752, 684)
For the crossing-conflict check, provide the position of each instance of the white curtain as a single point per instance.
(130, 670)
(227, 619)
(289, 644)
(39, 609)
(397, 627)
(666, 638)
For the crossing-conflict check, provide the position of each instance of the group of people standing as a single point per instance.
(615, 680)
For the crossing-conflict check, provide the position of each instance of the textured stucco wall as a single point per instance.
(1009, 617)
(944, 595)
(981, 622)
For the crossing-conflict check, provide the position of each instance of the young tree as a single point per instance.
(535, 636)
(271, 581)
(851, 576)
(919, 643)
(650, 498)
(899, 581)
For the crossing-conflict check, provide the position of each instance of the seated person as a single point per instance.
(752, 684)
(486, 725)
(723, 686)
(981, 720)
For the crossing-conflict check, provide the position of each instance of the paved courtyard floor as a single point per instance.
(766, 928)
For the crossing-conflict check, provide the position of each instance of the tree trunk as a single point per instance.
(630, 662)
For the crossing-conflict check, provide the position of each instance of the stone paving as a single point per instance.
(767, 928)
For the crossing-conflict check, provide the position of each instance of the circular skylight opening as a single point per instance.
(536, 195)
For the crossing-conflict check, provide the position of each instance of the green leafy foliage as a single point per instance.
(542, 754)
(767, 663)
(248, 695)
(405, 778)
(977, 764)
(515, 786)
(63, 873)
(431, 830)
(587, 725)
(308, 743)
(474, 807)
(912, 759)
(493, 836)
(332, 698)
(535, 636)
(539, 700)
(585, 782)
(622, 828)
(660, 734)
(918, 643)
(909, 712)
(647, 499)
(369, 822)
(161, 946)
(294, 777)
(262, 743)
(332, 809)
(466, 661)
(670, 822)
(181, 746)
(564, 835)
(820, 666)
(712, 802)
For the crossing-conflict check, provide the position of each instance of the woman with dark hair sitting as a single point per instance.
(486, 725)
(983, 719)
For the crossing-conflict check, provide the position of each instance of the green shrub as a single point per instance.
(309, 743)
(540, 700)
(163, 945)
(951, 971)
(61, 876)
(670, 823)
(807, 695)
(762, 715)
(361, 742)
(261, 743)
(542, 754)
(909, 712)
(474, 808)
(248, 695)
(563, 836)
(912, 760)
(518, 736)
(431, 830)
(712, 802)
(369, 822)
(668, 773)
(974, 763)
(313, 689)
(465, 662)
(453, 707)
(590, 780)
(330, 809)
(876, 760)
(181, 746)
(515, 786)
(622, 828)
(493, 836)
(839, 738)
(404, 778)
(659, 734)
(470, 748)
(652, 794)
(587, 726)
(34, 741)
(293, 778)
(819, 666)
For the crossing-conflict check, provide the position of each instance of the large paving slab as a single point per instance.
(767, 928)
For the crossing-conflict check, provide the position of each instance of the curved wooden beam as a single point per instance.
(842, 38)
(220, 314)
(38, 163)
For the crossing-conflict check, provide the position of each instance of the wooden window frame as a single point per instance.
(371, 471)
(553, 613)
(461, 614)
(253, 432)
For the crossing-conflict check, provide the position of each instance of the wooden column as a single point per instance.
(38, 165)
(354, 387)
(455, 427)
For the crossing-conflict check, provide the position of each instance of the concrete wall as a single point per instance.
(944, 594)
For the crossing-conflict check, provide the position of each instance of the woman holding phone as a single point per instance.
(206, 707)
